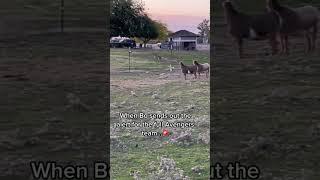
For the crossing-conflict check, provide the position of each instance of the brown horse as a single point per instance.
(294, 20)
(191, 69)
(202, 68)
(255, 27)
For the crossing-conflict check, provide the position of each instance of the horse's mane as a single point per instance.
(230, 7)
(274, 4)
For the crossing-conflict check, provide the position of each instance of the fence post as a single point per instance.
(129, 58)
(62, 16)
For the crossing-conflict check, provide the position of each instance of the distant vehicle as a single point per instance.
(165, 45)
(128, 43)
(120, 42)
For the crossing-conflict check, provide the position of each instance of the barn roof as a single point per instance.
(183, 33)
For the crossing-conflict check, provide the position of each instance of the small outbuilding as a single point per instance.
(183, 40)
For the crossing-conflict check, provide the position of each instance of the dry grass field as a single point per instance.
(52, 85)
(266, 107)
(151, 87)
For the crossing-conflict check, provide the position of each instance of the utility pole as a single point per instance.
(62, 16)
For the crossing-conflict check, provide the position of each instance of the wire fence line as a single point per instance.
(24, 27)
(47, 16)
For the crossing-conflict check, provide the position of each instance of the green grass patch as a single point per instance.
(138, 160)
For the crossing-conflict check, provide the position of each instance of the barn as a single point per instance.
(183, 40)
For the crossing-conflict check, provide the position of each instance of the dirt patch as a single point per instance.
(133, 84)
(153, 80)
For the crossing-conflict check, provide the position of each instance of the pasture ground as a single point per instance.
(38, 70)
(151, 87)
(38, 120)
(266, 109)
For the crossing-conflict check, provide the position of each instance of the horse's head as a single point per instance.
(273, 5)
(269, 5)
(229, 8)
(227, 4)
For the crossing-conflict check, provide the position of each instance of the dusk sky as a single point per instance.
(179, 14)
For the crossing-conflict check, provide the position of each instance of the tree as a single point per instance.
(128, 18)
(124, 17)
(162, 30)
(147, 29)
(204, 29)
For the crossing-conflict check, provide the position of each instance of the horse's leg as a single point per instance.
(282, 43)
(308, 47)
(286, 42)
(185, 76)
(273, 43)
(314, 36)
(240, 48)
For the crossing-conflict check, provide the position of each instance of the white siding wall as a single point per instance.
(203, 47)
(176, 39)
(179, 40)
(184, 39)
(188, 38)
